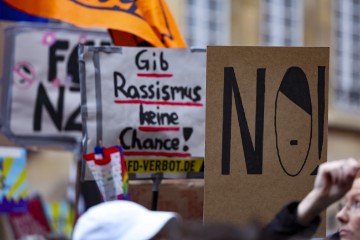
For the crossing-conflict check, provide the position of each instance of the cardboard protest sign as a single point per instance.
(13, 180)
(151, 101)
(266, 129)
(134, 23)
(41, 91)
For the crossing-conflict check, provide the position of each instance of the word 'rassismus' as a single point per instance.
(155, 91)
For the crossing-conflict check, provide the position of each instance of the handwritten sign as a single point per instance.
(151, 101)
(41, 84)
(266, 129)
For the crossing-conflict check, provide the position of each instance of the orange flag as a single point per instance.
(131, 23)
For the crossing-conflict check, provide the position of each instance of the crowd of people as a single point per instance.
(336, 180)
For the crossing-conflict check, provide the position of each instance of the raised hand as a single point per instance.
(332, 182)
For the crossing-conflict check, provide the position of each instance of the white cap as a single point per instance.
(121, 219)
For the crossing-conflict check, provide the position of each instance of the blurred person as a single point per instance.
(349, 213)
(334, 180)
(196, 230)
(122, 219)
(297, 220)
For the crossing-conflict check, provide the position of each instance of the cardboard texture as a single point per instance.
(266, 129)
(185, 197)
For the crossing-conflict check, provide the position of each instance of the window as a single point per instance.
(282, 22)
(207, 22)
(347, 49)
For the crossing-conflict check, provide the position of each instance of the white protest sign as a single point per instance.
(41, 90)
(150, 100)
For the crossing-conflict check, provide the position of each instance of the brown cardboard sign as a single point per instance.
(266, 129)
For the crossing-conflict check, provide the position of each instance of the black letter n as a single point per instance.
(253, 156)
(42, 99)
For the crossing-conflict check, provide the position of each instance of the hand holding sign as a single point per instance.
(332, 182)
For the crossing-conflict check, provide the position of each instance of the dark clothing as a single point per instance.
(286, 226)
(335, 236)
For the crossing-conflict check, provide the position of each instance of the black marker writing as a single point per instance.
(130, 140)
(253, 155)
(157, 118)
(154, 91)
(150, 61)
(295, 87)
(56, 113)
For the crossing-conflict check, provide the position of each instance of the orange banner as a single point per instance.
(131, 23)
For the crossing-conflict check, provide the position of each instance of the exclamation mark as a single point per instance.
(187, 133)
(321, 113)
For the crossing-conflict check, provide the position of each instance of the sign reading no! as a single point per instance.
(266, 129)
